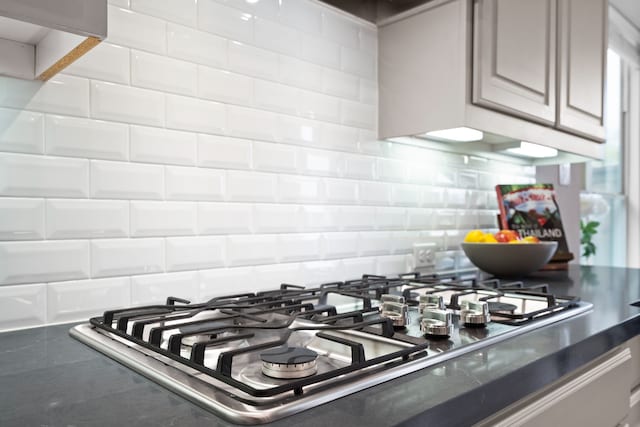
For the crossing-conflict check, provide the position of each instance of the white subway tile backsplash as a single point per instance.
(319, 218)
(252, 123)
(352, 218)
(299, 73)
(157, 145)
(196, 46)
(251, 186)
(389, 265)
(354, 268)
(21, 131)
(358, 62)
(320, 51)
(194, 114)
(82, 299)
(22, 306)
(339, 137)
(374, 243)
(119, 3)
(300, 189)
(77, 219)
(368, 92)
(163, 219)
(38, 176)
(341, 191)
(225, 21)
(251, 249)
(252, 61)
(318, 106)
(155, 288)
(274, 157)
(195, 253)
(159, 72)
(295, 130)
(341, 245)
(406, 195)
(181, 11)
(225, 218)
(304, 15)
(340, 84)
(184, 183)
(276, 97)
(318, 272)
(119, 180)
(357, 166)
(359, 114)
(270, 218)
(268, 9)
(276, 37)
(487, 219)
(433, 197)
(391, 218)
(467, 220)
(226, 281)
(402, 241)
(374, 193)
(456, 198)
(299, 247)
(104, 62)
(43, 261)
(224, 86)
(61, 94)
(122, 257)
(269, 277)
(80, 137)
(132, 29)
(21, 219)
(420, 219)
(340, 29)
(120, 103)
(320, 162)
(446, 218)
(369, 40)
(224, 152)
(391, 170)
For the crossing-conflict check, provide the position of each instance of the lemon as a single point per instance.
(489, 238)
(474, 236)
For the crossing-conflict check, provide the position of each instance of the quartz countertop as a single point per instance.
(50, 379)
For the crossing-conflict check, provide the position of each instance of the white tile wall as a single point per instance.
(212, 147)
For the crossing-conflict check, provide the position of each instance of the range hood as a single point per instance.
(39, 38)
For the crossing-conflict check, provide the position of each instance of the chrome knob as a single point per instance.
(431, 302)
(397, 312)
(399, 299)
(475, 313)
(436, 322)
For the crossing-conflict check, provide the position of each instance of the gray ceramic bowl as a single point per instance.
(509, 259)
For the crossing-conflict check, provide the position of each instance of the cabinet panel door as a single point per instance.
(582, 33)
(514, 51)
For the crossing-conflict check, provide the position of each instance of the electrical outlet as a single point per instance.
(424, 255)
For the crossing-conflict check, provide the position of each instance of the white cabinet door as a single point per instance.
(514, 68)
(582, 35)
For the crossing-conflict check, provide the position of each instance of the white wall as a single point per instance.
(215, 147)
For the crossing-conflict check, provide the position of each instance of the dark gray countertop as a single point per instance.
(49, 379)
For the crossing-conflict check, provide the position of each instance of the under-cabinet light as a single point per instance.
(529, 149)
(461, 134)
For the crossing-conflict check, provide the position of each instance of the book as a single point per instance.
(532, 210)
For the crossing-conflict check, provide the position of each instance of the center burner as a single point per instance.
(289, 362)
(256, 357)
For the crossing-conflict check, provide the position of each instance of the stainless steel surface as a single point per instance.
(236, 406)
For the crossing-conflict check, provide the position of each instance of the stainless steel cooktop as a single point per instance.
(254, 358)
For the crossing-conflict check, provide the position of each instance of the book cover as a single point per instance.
(532, 210)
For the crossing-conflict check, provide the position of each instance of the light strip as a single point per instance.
(461, 134)
(528, 149)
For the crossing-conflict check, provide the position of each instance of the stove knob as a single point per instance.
(474, 313)
(436, 322)
(430, 302)
(397, 312)
(399, 299)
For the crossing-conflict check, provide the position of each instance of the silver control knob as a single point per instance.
(397, 312)
(436, 322)
(475, 313)
(431, 302)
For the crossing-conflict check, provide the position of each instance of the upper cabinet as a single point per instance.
(39, 38)
(526, 70)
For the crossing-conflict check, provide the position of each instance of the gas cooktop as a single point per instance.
(257, 357)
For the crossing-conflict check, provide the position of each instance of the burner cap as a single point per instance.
(501, 307)
(289, 362)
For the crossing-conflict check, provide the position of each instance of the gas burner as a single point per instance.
(437, 323)
(501, 307)
(289, 362)
(475, 313)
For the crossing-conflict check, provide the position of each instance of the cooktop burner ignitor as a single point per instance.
(253, 358)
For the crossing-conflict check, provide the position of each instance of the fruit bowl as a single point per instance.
(509, 259)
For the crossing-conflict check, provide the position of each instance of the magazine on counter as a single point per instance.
(532, 210)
